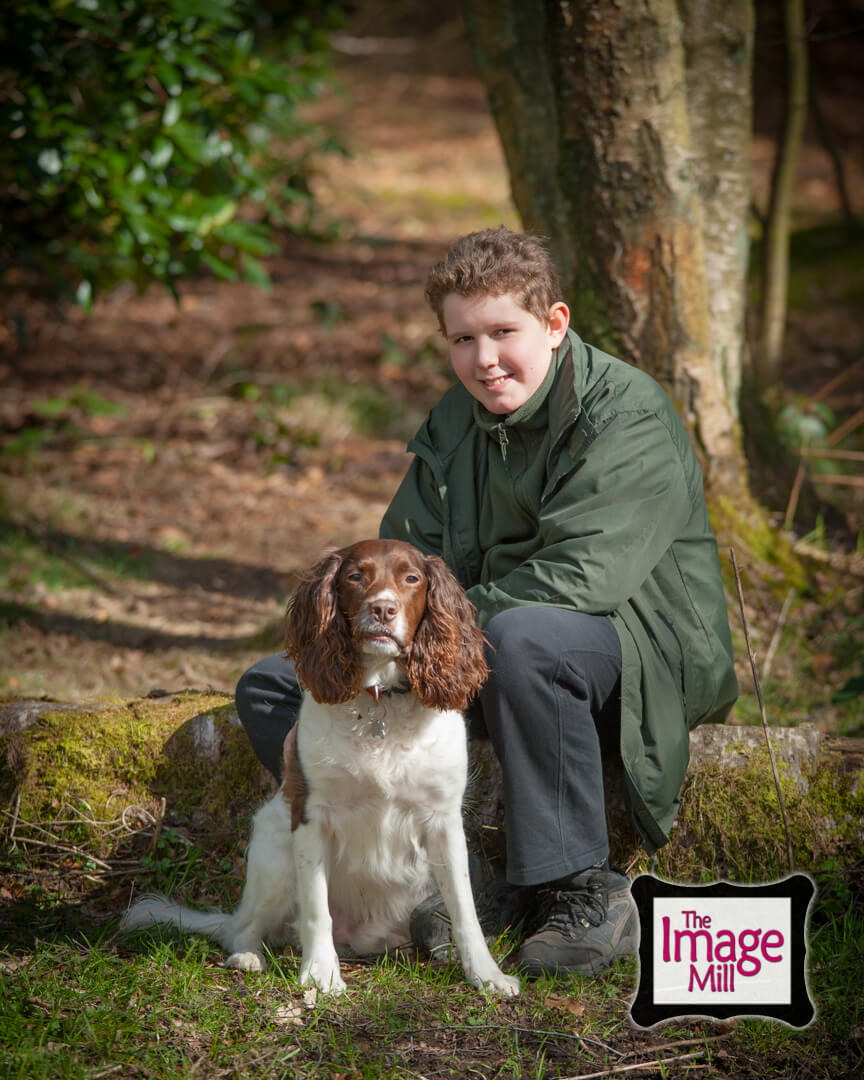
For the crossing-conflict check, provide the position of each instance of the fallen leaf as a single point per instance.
(288, 1014)
(562, 1004)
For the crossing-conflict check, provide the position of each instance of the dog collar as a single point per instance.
(377, 692)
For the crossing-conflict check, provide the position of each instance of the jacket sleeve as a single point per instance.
(415, 514)
(605, 525)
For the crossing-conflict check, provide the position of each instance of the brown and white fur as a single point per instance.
(368, 817)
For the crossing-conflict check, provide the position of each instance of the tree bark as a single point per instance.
(718, 52)
(607, 158)
(775, 277)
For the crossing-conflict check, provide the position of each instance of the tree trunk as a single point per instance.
(775, 277)
(718, 50)
(625, 132)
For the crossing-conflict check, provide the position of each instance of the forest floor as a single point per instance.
(167, 469)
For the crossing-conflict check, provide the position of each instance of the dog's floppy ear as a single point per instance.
(446, 665)
(318, 637)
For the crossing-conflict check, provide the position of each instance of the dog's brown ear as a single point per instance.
(318, 637)
(446, 666)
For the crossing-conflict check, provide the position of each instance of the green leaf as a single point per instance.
(84, 295)
(220, 269)
(52, 408)
(253, 271)
(219, 217)
(49, 161)
(162, 151)
(129, 157)
(248, 237)
(171, 113)
(27, 441)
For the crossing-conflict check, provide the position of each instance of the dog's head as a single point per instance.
(385, 599)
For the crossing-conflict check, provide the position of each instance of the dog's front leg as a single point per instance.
(319, 964)
(449, 856)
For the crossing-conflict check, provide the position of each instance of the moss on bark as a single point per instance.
(101, 764)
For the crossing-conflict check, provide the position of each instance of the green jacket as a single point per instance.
(618, 526)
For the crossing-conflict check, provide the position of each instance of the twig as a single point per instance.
(494, 1027)
(794, 494)
(679, 1043)
(616, 1069)
(15, 816)
(851, 564)
(66, 850)
(775, 637)
(832, 384)
(157, 831)
(830, 455)
(840, 433)
(105, 1070)
(758, 686)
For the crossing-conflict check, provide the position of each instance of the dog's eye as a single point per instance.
(412, 579)
(355, 576)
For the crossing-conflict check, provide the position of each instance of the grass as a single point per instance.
(36, 555)
(87, 1004)
(80, 1001)
(157, 1008)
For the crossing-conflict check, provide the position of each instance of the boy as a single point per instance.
(560, 487)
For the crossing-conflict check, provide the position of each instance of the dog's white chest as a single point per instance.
(416, 762)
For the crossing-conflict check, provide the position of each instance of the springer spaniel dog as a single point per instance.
(368, 816)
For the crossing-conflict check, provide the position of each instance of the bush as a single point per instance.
(144, 139)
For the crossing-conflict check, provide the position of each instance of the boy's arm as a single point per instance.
(606, 526)
(415, 515)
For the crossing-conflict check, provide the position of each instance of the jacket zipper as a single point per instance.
(503, 440)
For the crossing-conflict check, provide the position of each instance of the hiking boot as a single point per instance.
(499, 904)
(586, 922)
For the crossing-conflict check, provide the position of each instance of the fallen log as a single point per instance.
(189, 750)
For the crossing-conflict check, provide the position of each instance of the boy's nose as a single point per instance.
(487, 354)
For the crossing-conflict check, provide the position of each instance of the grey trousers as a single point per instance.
(553, 693)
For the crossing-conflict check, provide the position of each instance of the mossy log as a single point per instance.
(729, 824)
(185, 756)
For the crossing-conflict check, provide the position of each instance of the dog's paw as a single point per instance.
(495, 981)
(246, 961)
(323, 972)
(505, 985)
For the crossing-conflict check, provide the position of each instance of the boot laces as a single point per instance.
(587, 906)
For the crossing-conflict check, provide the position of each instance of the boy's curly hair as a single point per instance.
(496, 261)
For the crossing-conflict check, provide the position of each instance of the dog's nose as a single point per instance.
(384, 610)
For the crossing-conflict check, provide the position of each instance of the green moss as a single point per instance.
(750, 528)
(92, 764)
(730, 823)
(219, 791)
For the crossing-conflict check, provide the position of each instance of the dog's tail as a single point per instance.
(151, 909)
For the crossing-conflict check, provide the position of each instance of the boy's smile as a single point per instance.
(499, 351)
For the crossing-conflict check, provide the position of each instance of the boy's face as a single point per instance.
(500, 352)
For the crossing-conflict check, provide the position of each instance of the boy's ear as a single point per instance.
(559, 320)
